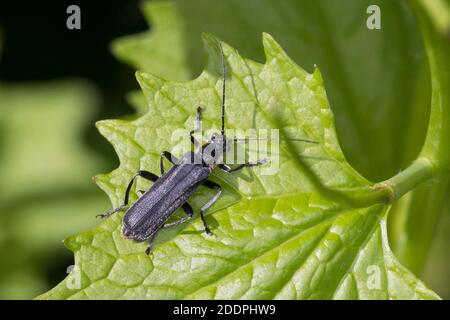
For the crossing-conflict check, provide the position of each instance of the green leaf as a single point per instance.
(377, 80)
(440, 12)
(277, 236)
(416, 231)
(160, 51)
(376, 103)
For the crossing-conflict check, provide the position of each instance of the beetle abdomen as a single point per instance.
(168, 193)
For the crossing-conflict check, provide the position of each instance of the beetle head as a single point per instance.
(214, 149)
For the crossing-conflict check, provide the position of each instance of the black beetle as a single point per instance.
(174, 188)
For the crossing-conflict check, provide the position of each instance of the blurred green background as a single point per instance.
(55, 83)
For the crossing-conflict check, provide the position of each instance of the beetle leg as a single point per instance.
(168, 156)
(198, 119)
(141, 173)
(224, 167)
(111, 212)
(150, 244)
(193, 140)
(189, 213)
(206, 206)
(228, 169)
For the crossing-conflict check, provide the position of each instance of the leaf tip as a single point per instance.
(71, 243)
(98, 178)
(103, 126)
(317, 75)
(102, 180)
(209, 38)
(149, 83)
(142, 78)
(212, 46)
(271, 47)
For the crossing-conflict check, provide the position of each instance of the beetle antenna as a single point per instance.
(267, 139)
(224, 70)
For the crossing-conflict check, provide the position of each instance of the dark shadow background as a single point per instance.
(37, 46)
